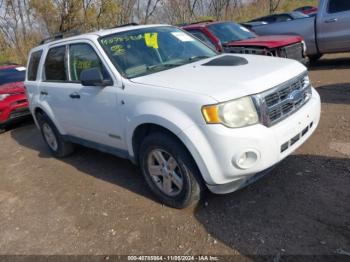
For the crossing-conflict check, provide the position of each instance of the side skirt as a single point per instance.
(100, 147)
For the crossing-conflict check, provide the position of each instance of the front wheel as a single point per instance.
(169, 170)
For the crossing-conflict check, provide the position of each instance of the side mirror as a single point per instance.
(93, 77)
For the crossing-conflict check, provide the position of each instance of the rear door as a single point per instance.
(333, 26)
(55, 88)
(32, 75)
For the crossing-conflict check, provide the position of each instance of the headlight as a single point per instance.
(306, 81)
(3, 96)
(237, 113)
(304, 46)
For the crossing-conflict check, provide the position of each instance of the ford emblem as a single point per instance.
(295, 96)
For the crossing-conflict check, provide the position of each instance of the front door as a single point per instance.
(333, 27)
(96, 109)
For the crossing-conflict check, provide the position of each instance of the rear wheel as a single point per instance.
(169, 170)
(314, 58)
(57, 145)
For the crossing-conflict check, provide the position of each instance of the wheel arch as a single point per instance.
(38, 110)
(144, 129)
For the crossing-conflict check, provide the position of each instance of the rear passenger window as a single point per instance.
(81, 57)
(33, 65)
(55, 69)
(336, 6)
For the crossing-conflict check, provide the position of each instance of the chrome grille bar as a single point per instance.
(278, 103)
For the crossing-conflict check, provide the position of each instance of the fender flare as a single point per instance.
(47, 110)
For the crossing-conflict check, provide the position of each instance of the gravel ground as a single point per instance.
(94, 203)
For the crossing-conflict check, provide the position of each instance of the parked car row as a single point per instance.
(210, 105)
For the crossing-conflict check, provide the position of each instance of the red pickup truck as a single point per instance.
(13, 100)
(234, 38)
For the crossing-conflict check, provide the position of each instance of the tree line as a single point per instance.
(23, 23)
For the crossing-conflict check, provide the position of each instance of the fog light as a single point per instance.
(246, 159)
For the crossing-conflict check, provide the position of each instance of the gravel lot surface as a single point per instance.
(94, 203)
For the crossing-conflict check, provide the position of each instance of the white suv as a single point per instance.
(190, 118)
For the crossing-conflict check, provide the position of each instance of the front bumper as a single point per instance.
(238, 184)
(216, 148)
(13, 108)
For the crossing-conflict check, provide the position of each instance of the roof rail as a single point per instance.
(128, 24)
(60, 36)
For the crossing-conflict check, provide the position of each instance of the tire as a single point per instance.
(54, 140)
(180, 172)
(314, 58)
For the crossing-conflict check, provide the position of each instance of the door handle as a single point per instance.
(74, 95)
(332, 20)
(44, 93)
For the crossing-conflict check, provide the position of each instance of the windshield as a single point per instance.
(229, 32)
(11, 75)
(149, 50)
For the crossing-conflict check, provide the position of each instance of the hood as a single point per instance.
(12, 88)
(273, 41)
(226, 81)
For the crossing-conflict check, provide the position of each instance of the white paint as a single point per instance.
(173, 99)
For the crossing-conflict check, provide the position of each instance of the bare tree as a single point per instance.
(274, 4)
(181, 11)
(150, 9)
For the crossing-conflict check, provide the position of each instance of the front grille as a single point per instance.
(247, 50)
(19, 113)
(278, 103)
(294, 51)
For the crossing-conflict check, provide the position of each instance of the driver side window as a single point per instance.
(81, 57)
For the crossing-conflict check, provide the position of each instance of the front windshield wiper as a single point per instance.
(196, 58)
(161, 66)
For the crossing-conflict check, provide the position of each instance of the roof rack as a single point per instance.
(60, 36)
(128, 24)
